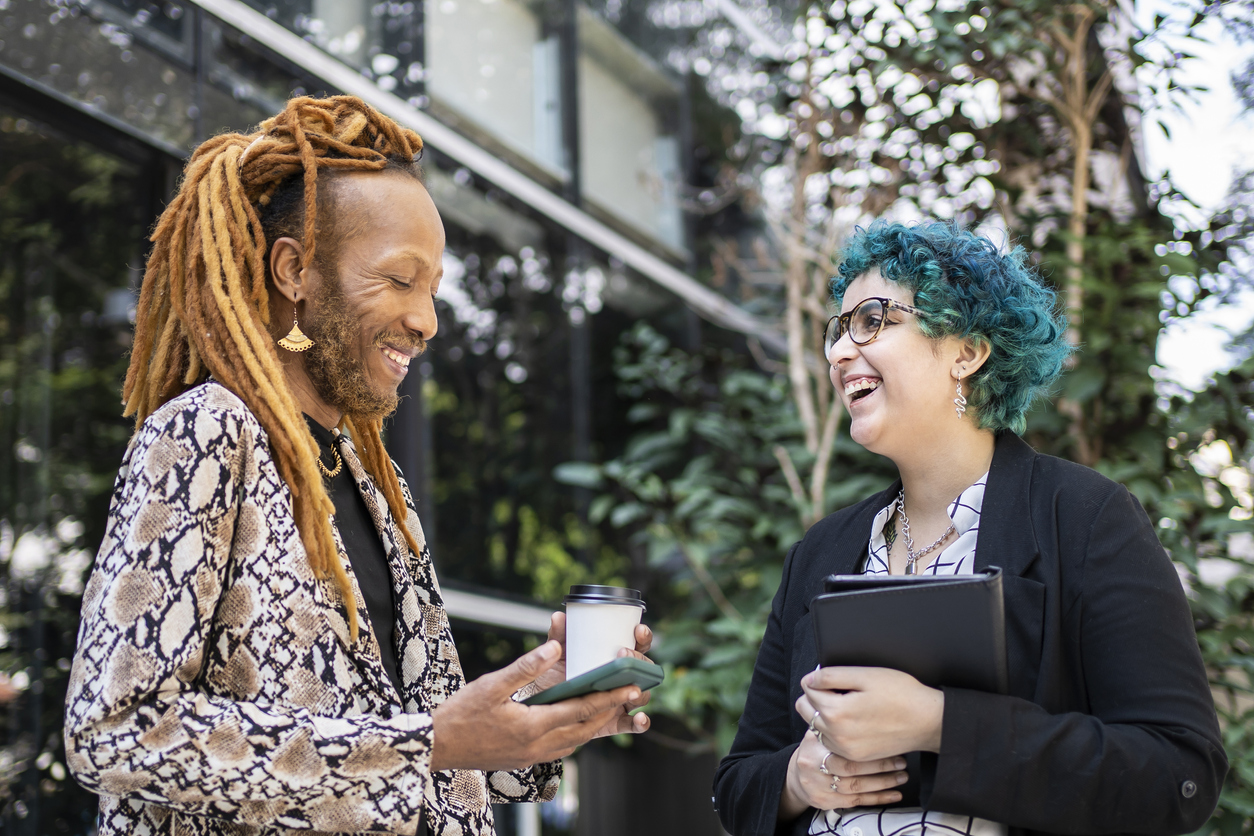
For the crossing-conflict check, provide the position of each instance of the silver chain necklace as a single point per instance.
(912, 557)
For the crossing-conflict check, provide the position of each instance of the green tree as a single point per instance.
(700, 492)
(984, 113)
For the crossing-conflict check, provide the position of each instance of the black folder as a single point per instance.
(941, 629)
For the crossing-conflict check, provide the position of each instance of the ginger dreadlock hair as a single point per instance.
(204, 307)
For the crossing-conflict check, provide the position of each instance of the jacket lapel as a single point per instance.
(366, 650)
(853, 540)
(857, 535)
(422, 633)
(1007, 538)
(845, 556)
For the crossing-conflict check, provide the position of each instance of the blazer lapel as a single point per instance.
(853, 540)
(845, 556)
(422, 634)
(1007, 538)
(366, 650)
(432, 670)
(858, 533)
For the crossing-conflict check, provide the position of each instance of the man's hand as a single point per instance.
(623, 722)
(481, 727)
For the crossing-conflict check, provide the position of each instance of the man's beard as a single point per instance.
(337, 375)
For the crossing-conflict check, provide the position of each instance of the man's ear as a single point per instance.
(973, 352)
(285, 269)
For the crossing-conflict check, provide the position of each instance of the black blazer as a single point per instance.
(1109, 726)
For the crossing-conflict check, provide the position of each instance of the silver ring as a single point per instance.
(812, 720)
(835, 783)
(823, 764)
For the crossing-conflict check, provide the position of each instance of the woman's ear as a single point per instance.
(285, 269)
(972, 354)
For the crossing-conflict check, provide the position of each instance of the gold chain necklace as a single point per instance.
(912, 557)
(339, 464)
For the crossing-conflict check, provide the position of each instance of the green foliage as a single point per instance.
(886, 94)
(549, 556)
(698, 490)
(1202, 503)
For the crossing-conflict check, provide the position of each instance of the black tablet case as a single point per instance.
(941, 629)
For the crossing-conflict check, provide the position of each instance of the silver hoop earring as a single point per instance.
(960, 402)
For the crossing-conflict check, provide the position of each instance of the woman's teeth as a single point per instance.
(860, 388)
(400, 359)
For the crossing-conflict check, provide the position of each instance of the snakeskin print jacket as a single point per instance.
(216, 689)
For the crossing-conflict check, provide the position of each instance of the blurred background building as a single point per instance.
(557, 146)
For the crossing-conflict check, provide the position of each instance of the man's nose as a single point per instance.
(420, 317)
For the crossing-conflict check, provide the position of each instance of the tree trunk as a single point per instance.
(1078, 105)
(797, 277)
(1077, 228)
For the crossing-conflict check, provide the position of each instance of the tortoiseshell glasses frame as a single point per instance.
(864, 323)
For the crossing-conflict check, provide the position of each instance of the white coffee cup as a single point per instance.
(600, 620)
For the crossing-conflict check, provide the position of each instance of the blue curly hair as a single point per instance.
(964, 287)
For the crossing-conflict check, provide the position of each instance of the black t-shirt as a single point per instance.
(364, 547)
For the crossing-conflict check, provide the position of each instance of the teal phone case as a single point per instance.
(627, 670)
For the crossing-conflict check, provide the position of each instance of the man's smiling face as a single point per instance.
(374, 312)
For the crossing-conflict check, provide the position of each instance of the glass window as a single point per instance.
(488, 61)
(382, 40)
(72, 227)
(97, 63)
(629, 153)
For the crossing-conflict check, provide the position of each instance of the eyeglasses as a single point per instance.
(863, 323)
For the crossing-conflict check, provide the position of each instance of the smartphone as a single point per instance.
(626, 670)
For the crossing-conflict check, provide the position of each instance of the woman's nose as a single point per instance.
(841, 350)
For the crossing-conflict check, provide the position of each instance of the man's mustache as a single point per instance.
(402, 341)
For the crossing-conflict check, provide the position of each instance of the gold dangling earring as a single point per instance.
(295, 340)
(960, 402)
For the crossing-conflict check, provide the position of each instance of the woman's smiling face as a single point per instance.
(899, 388)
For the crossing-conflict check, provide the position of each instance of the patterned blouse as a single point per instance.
(216, 688)
(957, 559)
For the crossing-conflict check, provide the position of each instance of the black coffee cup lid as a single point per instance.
(591, 593)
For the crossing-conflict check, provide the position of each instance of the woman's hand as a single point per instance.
(623, 722)
(857, 784)
(865, 714)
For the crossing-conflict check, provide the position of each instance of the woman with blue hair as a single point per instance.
(1108, 726)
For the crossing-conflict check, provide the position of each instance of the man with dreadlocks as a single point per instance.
(264, 648)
